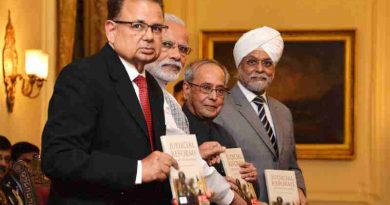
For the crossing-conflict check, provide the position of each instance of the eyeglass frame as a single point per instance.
(174, 45)
(218, 92)
(152, 27)
(258, 61)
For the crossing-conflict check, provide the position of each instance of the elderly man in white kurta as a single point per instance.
(261, 125)
(166, 69)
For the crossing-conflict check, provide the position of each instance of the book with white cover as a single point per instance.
(231, 159)
(282, 187)
(187, 184)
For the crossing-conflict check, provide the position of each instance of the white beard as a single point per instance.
(256, 86)
(159, 71)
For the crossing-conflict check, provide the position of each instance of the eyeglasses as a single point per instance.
(183, 49)
(140, 26)
(254, 62)
(207, 89)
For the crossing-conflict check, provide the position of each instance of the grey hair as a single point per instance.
(173, 18)
(194, 66)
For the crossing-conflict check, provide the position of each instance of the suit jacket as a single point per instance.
(96, 132)
(242, 122)
(209, 131)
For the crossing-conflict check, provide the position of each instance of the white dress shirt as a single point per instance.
(133, 73)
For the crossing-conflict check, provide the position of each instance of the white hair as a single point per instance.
(173, 18)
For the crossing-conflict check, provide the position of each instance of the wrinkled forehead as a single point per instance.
(258, 53)
(209, 73)
(141, 10)
(176, 33)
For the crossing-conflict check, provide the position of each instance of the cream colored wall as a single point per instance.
(363, 180)
(34, 24)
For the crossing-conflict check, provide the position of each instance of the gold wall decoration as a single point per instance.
(36, 68)
(10, 63)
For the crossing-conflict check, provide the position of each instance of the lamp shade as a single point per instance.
(37, 63)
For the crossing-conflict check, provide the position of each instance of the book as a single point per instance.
(282, 187)
(231, 159)
(187, 184)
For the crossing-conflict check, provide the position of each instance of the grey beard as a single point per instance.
(257, 87)
(160, 73)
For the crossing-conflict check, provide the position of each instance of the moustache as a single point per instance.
(171, 63)
(259, 75)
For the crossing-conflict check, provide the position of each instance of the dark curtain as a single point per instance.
(81, 29)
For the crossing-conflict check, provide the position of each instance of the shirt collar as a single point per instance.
(249, 94)
(131, 70)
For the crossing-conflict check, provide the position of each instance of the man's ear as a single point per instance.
(186, 90)
(111, 30)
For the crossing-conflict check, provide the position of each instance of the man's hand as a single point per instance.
(209, 151)
(248, 172)
(156, 166)
(238, 200)
(232, 182)
(302, 197)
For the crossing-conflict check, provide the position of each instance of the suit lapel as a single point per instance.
(277, 122)
(124, 88)
(245, 108)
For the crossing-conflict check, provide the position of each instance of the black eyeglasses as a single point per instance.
(254, 62)
(207, 89)
(140, 26)
(183, 49)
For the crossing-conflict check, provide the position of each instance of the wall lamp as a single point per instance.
(36, 68)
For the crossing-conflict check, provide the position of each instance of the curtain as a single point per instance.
(95, 15)
(81, 29)
(66, 31)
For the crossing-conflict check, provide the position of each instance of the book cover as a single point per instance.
(187, 184)
(282, 187)
(231, 159)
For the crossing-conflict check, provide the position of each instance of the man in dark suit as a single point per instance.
(260, 125)
(101, 143)
(204, 88)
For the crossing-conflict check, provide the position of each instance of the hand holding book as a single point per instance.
(209, 151)
(188, 185)
(156, 166)
(248, 171)
(238, 174)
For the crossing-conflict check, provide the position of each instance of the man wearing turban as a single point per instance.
(261, 125)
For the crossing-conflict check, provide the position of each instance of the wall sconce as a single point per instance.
(36, 68)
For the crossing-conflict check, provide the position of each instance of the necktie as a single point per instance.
(144, 100)
(177, 113)
(259, 101)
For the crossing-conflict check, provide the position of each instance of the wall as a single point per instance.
(359, 181)
(34, 24)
